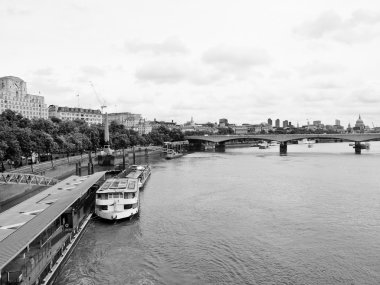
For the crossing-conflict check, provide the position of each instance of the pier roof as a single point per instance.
(21, 224)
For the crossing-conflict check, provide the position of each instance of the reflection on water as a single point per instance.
(245, 216)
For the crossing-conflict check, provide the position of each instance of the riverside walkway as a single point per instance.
(283, 139)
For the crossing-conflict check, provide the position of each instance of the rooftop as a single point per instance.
(21, 224)
(13, 78)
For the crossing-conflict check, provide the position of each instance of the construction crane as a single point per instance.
(102, 103)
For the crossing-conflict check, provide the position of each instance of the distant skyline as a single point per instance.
(246, 61)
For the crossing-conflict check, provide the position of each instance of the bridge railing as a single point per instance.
(24, 178)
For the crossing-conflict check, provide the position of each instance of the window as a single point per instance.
(103, 208)
(128, 206)
(131, 185)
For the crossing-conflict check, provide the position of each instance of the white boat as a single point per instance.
(306, 141)
(140, 172)
(117, 198)
(170, 154)
(263, 145)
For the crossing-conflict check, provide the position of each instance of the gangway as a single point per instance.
(24, 178)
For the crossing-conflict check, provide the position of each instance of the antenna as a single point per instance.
(78, 100)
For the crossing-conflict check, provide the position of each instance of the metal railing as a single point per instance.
(24, 178)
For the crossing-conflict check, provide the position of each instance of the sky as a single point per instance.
(246, 61)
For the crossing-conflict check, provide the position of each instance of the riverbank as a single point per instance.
(13, 194)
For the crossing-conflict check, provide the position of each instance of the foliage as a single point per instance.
(20, 136)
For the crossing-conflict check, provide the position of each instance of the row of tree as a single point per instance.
(20, 137)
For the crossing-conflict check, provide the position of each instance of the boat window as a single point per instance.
(128, 195)
(132, 185)
(104, 196)
(103, 208)
(127, 206)
(98, 196)
(106, 185)
(115, 184)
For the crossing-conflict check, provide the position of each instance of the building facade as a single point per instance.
(129, 120)
(14, 96)
(70, 114)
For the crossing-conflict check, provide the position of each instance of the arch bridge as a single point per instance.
(23, 178)
(283, 139)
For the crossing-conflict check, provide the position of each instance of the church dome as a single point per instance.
(359, 122)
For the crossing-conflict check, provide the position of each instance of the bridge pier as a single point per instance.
(358, 148)
(283, 148)
(220, 147)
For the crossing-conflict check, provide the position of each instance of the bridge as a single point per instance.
(283, 139)
(23, 178)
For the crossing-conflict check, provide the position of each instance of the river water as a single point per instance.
(244, 216)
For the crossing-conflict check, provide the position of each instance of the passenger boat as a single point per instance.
(140, 172)
(263, 145)
(170, 154)
(117, 198)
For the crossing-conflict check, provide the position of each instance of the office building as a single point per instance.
(14, 96)
(70, 114)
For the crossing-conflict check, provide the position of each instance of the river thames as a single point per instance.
(244, 216)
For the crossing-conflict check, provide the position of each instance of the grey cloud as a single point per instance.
(235, 58)
(366, 95)
(325, 85)
(93, 71)
(176, 71)
(44, 71)
(361, 26)
(317, 68)
(171, 46)
(160, 73)
(50, 88)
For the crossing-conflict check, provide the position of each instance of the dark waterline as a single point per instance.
(246, 216)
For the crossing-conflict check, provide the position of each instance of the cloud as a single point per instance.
(170, 46)
(329, 84)
(161, 72)
(93, 70)
(175, 71)
(44, 71)
(317, 68)
(361, 26)
(366, 95)
(235, 58)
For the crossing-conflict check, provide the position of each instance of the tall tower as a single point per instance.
(106, 131)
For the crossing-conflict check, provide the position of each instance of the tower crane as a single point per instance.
(102, 103)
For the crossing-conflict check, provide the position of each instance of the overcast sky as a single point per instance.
(170, 59)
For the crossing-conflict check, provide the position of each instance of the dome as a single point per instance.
(359, 122)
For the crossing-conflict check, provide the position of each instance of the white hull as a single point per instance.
(111, 215)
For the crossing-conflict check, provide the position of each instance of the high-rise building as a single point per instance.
(277, 123)
(317, 123)
(14, 96)
(70, 114)
(337, 122)
(285, 124)
(270, 122)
